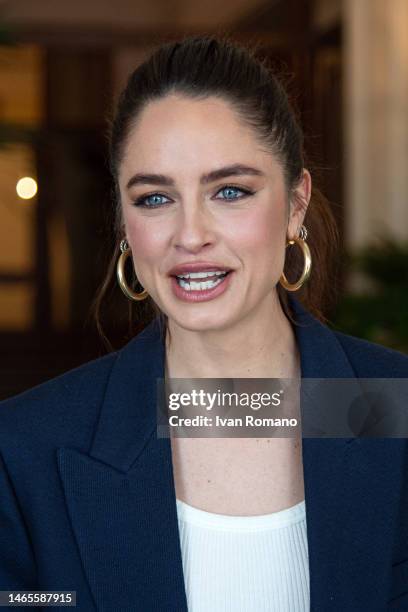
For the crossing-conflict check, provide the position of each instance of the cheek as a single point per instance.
(146, 239)
(260, 234)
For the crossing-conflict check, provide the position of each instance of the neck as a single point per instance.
(261, 345)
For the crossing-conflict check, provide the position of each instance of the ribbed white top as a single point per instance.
(245, 563)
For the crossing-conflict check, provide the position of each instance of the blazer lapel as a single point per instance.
(352, 489)
(121, 496)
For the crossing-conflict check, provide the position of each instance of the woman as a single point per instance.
(207, 159)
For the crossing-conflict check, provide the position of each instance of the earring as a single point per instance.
(301, 242)
(120, 273)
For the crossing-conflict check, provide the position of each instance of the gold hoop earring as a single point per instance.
(120, 274)
(301, 242)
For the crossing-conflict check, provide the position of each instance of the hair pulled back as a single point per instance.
(203, 66)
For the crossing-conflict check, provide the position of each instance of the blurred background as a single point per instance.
(62, 65)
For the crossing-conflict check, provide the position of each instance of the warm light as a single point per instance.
(26, 188)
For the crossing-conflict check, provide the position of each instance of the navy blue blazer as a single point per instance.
(87, 498)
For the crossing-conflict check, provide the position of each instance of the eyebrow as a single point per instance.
(214, 175)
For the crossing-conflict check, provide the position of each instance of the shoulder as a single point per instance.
(67, 403)
(370, 359)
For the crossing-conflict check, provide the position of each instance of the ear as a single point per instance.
(299, 202)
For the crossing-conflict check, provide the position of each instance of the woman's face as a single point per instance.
(197, 188)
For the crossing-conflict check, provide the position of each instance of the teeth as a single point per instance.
(193, 286)
(202, 274)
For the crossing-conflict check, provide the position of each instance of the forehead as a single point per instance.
(177, 132)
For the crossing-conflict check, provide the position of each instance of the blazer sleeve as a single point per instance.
(17, 563)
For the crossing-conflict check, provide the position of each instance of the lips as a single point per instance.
(194, 292)
(199, 266)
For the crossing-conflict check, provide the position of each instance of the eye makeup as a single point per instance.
(141, 200)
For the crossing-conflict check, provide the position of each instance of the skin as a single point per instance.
(183, 139)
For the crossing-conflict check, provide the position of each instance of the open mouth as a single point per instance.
(201, 281)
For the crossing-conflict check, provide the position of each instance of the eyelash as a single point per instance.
(141, 200)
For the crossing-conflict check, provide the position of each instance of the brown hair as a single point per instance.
(203, 66)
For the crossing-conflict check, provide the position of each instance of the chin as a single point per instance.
(201, 322)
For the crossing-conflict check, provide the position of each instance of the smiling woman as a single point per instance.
(179, 126)
(217, 213)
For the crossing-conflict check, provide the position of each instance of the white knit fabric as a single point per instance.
(245, 563)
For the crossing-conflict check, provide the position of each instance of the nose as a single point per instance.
(193, 229)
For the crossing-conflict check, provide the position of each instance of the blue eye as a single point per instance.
(142, 201)
(231, 188)
(151, 200)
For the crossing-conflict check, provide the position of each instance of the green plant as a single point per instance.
(380, 315)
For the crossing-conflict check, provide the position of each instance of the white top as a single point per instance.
(245, 563)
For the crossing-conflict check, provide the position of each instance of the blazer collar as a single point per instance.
(128, 415)
(121, 497)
